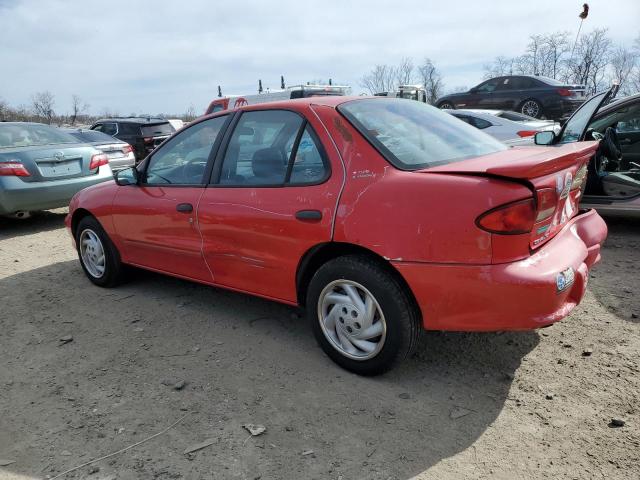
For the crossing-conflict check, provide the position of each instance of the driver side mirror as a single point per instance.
(126, 176)
(546, 137)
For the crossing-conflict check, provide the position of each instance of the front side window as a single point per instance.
(183, 159)
(413, 135)
(488, 86)
(259, 149)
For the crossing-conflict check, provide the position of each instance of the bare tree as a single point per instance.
(4, 110)
(431, 80)
(78, 107)
(500, 66)
(404, 72)
(588, 64)
(623, 63)
(380, 79)
(554, 48)
(43, 103)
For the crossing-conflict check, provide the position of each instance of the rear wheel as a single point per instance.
(361, 316)
(531, 107)
(98, 256)
(446, 106)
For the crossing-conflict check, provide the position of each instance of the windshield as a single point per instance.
(31, 134)
(93, 136)
(412, 135)
(576, 125)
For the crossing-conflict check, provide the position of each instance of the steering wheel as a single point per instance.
(193, 170)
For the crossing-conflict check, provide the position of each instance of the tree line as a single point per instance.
(593, 60)
(42, 109)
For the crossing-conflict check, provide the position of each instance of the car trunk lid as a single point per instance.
(555, 175)
(53, 163)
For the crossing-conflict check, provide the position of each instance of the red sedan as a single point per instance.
(380, 216)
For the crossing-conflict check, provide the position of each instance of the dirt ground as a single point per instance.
(527, 405)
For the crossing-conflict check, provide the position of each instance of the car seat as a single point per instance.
(620, 184)
(269, 166)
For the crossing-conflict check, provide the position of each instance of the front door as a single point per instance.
(273, 197)
(156, 220)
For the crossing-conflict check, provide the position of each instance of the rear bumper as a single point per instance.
(559, 108)
(521, 295)
(17, 195)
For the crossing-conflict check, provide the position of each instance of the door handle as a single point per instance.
(309, 215)
(184, 207)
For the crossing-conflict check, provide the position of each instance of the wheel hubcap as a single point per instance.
(445, 106)
(351, 319)
(530, 108)
(92, 253)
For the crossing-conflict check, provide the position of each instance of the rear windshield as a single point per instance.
(412, 135)
(93, 136)
(516, 117)
(31, 134)
(158, 129)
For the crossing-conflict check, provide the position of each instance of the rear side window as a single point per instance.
(413, 135)
(158, 129)
(129, 129)
(273, 148)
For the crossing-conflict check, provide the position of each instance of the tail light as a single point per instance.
(127, 149)
(547, 202)
(564, 92)
(527, 133)
(13, 169)
(511, 219)
(98, 160)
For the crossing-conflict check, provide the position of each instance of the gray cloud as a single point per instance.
(162, 57)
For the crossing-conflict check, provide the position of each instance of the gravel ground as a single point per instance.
(87, 372)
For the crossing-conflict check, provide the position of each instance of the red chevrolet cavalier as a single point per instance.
(380, 216)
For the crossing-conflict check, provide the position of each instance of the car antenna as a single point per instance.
(219, 91)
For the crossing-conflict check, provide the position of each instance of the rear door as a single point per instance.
(273, 197)
(156, 220)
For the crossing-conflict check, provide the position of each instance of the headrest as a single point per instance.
(269, 163)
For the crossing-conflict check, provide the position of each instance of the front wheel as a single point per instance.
(361, 315)
(98, 256)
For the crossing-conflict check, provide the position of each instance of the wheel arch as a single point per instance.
(78, 215)
(539, 102)
(319, 254)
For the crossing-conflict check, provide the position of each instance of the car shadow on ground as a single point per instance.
(37, 222)
(243, 360)
(615, 281)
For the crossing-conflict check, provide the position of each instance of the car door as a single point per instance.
(628, 130)
(156, 219)
(273, 196)
(482, 96)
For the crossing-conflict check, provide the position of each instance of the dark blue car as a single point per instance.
(535, 96)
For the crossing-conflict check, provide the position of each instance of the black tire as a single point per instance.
(113, 267)
(446, 105)
(531, 105)
(401, 315)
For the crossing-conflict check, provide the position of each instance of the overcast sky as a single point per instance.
(164, 56)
